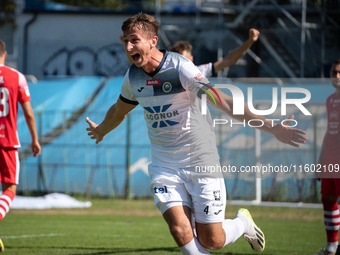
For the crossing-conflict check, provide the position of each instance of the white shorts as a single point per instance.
(204, 194)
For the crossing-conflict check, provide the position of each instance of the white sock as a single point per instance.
(194, 248)
(332, 247)
(233, 230)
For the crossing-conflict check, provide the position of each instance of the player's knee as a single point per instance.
(180, 232)
(9, 186)
(211, 243)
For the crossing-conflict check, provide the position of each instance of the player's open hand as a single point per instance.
(254, 34)
(289, 135)
(93, 133)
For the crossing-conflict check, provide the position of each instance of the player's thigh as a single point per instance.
(209, 200)
(168, 188)
(176, 215)
(10, 166)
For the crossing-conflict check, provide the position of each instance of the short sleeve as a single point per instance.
(191, 77)
(126, 95)
(24, 93)
(207, 70)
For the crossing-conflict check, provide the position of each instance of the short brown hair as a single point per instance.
(2, 48)
(181, 46)
(145, 22)
(336, 62)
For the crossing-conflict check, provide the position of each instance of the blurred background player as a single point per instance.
(329, 156)
(13, 89)
(210, 69)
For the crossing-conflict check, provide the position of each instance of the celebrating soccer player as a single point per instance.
(182, 138)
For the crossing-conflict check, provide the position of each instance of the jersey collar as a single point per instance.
(166, 53)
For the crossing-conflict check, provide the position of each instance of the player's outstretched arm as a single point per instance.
(93, 131)
(285, 134)
(237, 53)
(114, 116)
(289, 135)
(30, 120)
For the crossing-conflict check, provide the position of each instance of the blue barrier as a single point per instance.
(62, 95)
(73, 163)
(109, 159)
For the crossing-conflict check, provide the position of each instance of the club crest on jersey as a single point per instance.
(167, 87)
(217, 195)
(153, 82)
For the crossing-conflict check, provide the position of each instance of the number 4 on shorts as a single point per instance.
(206, 210)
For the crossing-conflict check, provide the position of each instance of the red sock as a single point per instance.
(6, 200)
(331, 219)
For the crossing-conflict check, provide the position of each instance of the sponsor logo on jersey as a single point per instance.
(161, 116)
(161, 190)
(153, 82)
(140, 89)
(336, 102)
(1, 79)
(199, 75)
(333, 115)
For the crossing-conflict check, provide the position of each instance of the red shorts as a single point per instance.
(10, 165)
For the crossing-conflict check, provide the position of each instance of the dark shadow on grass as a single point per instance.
(104, 251)
(127, 250)
(236, 253)
(167, 249)
(96, 251)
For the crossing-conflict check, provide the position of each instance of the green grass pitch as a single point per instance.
(129, 227)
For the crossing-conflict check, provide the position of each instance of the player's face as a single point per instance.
(335, 76)
(188, 55)
(138, 46)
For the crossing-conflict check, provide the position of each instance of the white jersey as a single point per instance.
(207, 70)
(180, 135)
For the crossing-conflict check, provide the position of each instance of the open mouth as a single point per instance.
(135, 57)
